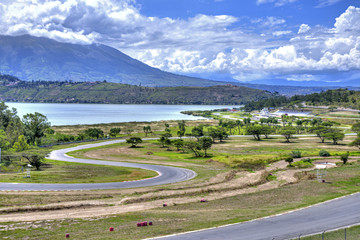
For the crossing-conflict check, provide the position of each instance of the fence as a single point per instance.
(341, 234)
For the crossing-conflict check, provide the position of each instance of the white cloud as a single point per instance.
(277, 3)
(304, 28)
(326, 3)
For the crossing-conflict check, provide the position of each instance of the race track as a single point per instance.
(166, 174)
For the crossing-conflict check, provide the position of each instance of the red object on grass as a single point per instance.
(67, 235)
(150, 224)
(138, 224)
(111, 229)
(164, 205)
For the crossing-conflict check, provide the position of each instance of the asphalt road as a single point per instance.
(315, 219)
(166, 174)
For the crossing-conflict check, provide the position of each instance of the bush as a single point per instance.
(302, 164)
(289, 160)
(324, 153)
(344, 157)
(296, 154)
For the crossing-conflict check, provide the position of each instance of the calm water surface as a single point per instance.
(72, 114)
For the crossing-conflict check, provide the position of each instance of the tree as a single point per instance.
(205, 144)
(35, 125)
(194, 147)
(217, 133)
(267, 130)
(182, 128)
(164, 139)
(134, 141)
(21, 144)
(35, 160)
(355, 143)
(147, 130)
(289, 160)
(335, 136)
(114, 132)
(320, 131)
(94, 133)
(356, 127)
(198, 131)
(178, 143)
(3, 141)
(256, 131)
(287, 132)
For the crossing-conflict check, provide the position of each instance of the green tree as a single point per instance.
(114, 132)
(147, 130)
(256, 131)
(21, 144)
(182, 128)
(288, 132)
(198, 131)
(335, 136)
(320, 131)
(94, 133)
(134, 141)
(218, 133)
(165, 139)
(35, 160)
(35, 125)
(355, 143)
(205, 144)
(344, 157)
(179, 144)
(194, 147)
(356, 127)
(4, 144)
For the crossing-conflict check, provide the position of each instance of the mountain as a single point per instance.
(36, 58)
(14, 90)
(284, 82)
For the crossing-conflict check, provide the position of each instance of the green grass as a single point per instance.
(64, 172)
(192, 216)
(352, 233)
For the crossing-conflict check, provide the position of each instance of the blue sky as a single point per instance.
(246, 40)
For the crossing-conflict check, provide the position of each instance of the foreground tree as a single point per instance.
(21, 144)
(134, 141)
(35, 125)
(194, 147)
(179, 144)
(255, 130)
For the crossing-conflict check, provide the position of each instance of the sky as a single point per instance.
(245, 40)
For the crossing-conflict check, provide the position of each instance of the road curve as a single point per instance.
(166, 174)
(330, 215)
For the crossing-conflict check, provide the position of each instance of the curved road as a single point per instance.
(166, 174)
(330, 215)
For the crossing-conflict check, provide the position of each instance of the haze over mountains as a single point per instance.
(37, 58)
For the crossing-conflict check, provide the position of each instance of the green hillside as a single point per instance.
(15, 90)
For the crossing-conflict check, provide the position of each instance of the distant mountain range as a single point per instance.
(284, 82)
(34, 59)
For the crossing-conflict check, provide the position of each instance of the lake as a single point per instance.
(73, 114)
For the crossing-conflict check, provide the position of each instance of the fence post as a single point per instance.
(345, 233)
(323, 235)
(300, 236)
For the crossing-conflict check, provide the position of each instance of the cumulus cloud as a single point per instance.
(200, 44)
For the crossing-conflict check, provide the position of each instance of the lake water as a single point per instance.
(73, 114)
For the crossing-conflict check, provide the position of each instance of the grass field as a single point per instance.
(185, 217)
(65, 172)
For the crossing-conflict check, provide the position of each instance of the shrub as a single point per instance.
(289, 160)
(296, 154)
(324, 153)
(302, 164)
(344, 157)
